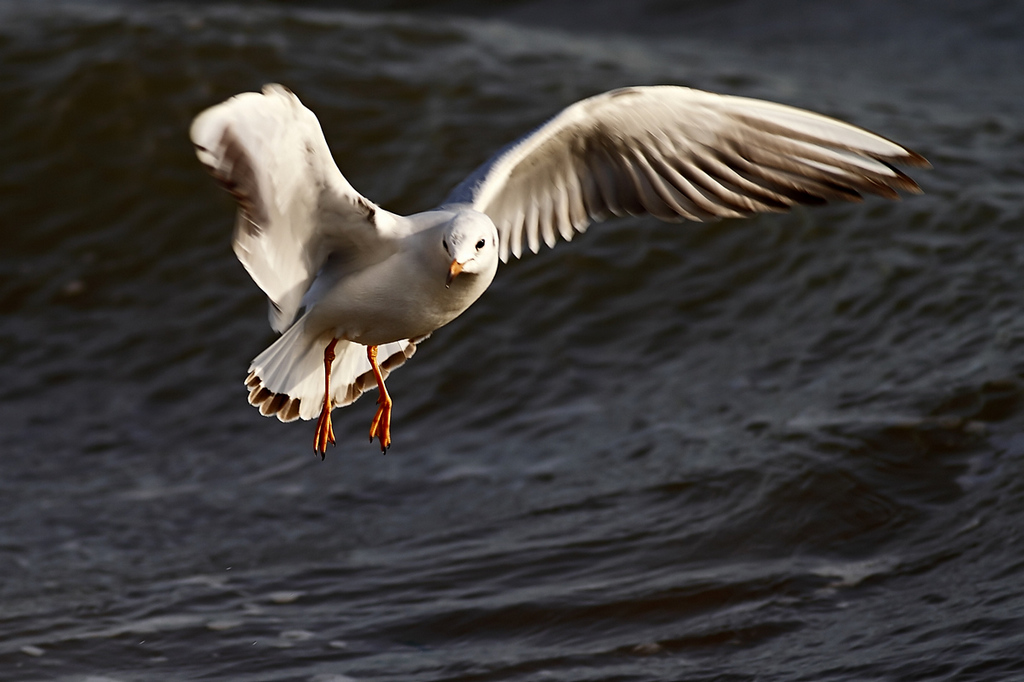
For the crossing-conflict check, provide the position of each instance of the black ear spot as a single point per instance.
(444, 243)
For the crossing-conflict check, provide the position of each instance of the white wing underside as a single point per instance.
(677, 154)
(295, 206)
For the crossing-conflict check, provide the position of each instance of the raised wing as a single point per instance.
(295, 208)
(675, 153)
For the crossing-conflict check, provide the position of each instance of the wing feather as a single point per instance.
(676, 153)
(295, 208)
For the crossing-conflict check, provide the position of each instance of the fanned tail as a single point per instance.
(287, 379)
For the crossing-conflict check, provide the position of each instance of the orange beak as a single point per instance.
(453, 270)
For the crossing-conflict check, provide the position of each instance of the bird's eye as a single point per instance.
(480, 245)
(444, 243)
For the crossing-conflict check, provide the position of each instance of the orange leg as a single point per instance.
(324, 429)
(381, 425)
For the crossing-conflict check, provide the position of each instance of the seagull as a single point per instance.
(353, 288)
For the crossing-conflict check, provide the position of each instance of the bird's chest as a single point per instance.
(395, 300)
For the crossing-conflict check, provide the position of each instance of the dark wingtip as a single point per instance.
(914, 159)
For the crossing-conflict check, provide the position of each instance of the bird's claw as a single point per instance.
(324, 433)
(380, 427)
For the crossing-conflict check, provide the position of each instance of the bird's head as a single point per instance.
(470, 243)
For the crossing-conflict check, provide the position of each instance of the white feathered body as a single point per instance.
(359, 305)
(364, 305)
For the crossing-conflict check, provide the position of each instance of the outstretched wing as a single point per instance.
(675, 153)
(295, 208)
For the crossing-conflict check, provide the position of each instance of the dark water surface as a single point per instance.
(788, 448)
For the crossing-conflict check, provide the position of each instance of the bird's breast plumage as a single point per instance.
(399, 298)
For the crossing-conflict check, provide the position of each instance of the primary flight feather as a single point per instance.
(371, 284)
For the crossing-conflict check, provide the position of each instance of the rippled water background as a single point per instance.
(788, 448)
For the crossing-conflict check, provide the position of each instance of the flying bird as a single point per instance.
(353, 288)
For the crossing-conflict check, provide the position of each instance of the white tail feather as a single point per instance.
(287, 379)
